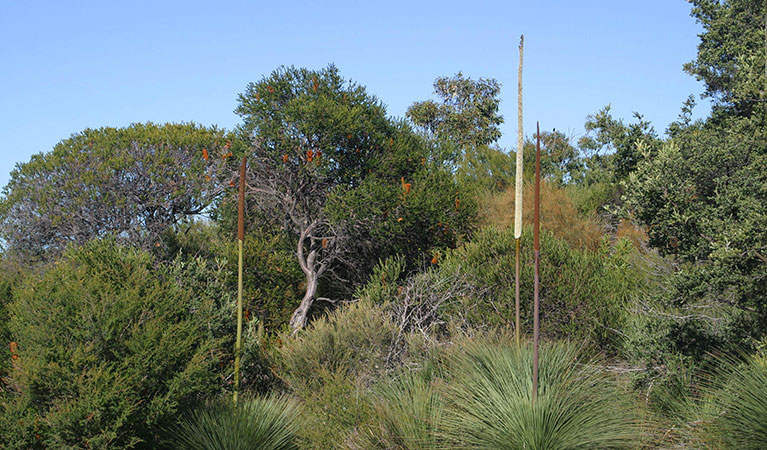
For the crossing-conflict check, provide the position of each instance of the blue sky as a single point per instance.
(67, 66)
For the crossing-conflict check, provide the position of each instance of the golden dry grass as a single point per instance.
(558, 215)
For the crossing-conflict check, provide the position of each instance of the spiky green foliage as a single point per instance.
(407, 415)
(258, 423)
(737, 405)
(578, 405)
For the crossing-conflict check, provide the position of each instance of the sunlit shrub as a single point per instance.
(330, 366)
(111, 348)
(583, 293)
(559, 215)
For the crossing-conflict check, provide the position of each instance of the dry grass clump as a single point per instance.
(558, 215)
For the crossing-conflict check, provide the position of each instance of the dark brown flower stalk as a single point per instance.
(537, 251)
(518, 192)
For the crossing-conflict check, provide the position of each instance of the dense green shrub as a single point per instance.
(584, 293)
(578, 405)
(271, 278)
(258, 423)
(330, 367)
(353, 341)
(111, 348)
(214, 281)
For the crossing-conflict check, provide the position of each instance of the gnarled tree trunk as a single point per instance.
(312, 268)
(298, 319)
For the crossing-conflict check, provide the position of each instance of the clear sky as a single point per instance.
(69, 65)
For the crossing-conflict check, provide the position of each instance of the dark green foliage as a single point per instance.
(111, 349)
(343, 182)
(704, 200)
(271, 278)
(731, 52)
(614, 149)
(258, 423)
(133, 183)
(434, 215)
(578, 405)
(583, 293)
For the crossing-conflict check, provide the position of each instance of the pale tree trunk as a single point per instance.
(298, 320)
(313, 270)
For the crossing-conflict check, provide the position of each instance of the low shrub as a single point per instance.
(258, 423)
(353, 341)
(330, 367)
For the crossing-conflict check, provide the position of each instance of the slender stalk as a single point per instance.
(537, 250)
(516, 295)
(518, 189)
(240, 239)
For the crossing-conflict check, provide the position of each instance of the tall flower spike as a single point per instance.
(520, 143)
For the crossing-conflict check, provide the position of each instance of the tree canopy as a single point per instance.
(328, 166)
(132, 183)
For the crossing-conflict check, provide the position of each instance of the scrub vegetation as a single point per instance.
(379, 284)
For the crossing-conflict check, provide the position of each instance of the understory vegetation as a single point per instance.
(379, 283)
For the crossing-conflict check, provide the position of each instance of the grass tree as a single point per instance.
(489, 401)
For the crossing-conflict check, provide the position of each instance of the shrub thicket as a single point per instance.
(111, 348)
(584, 293)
